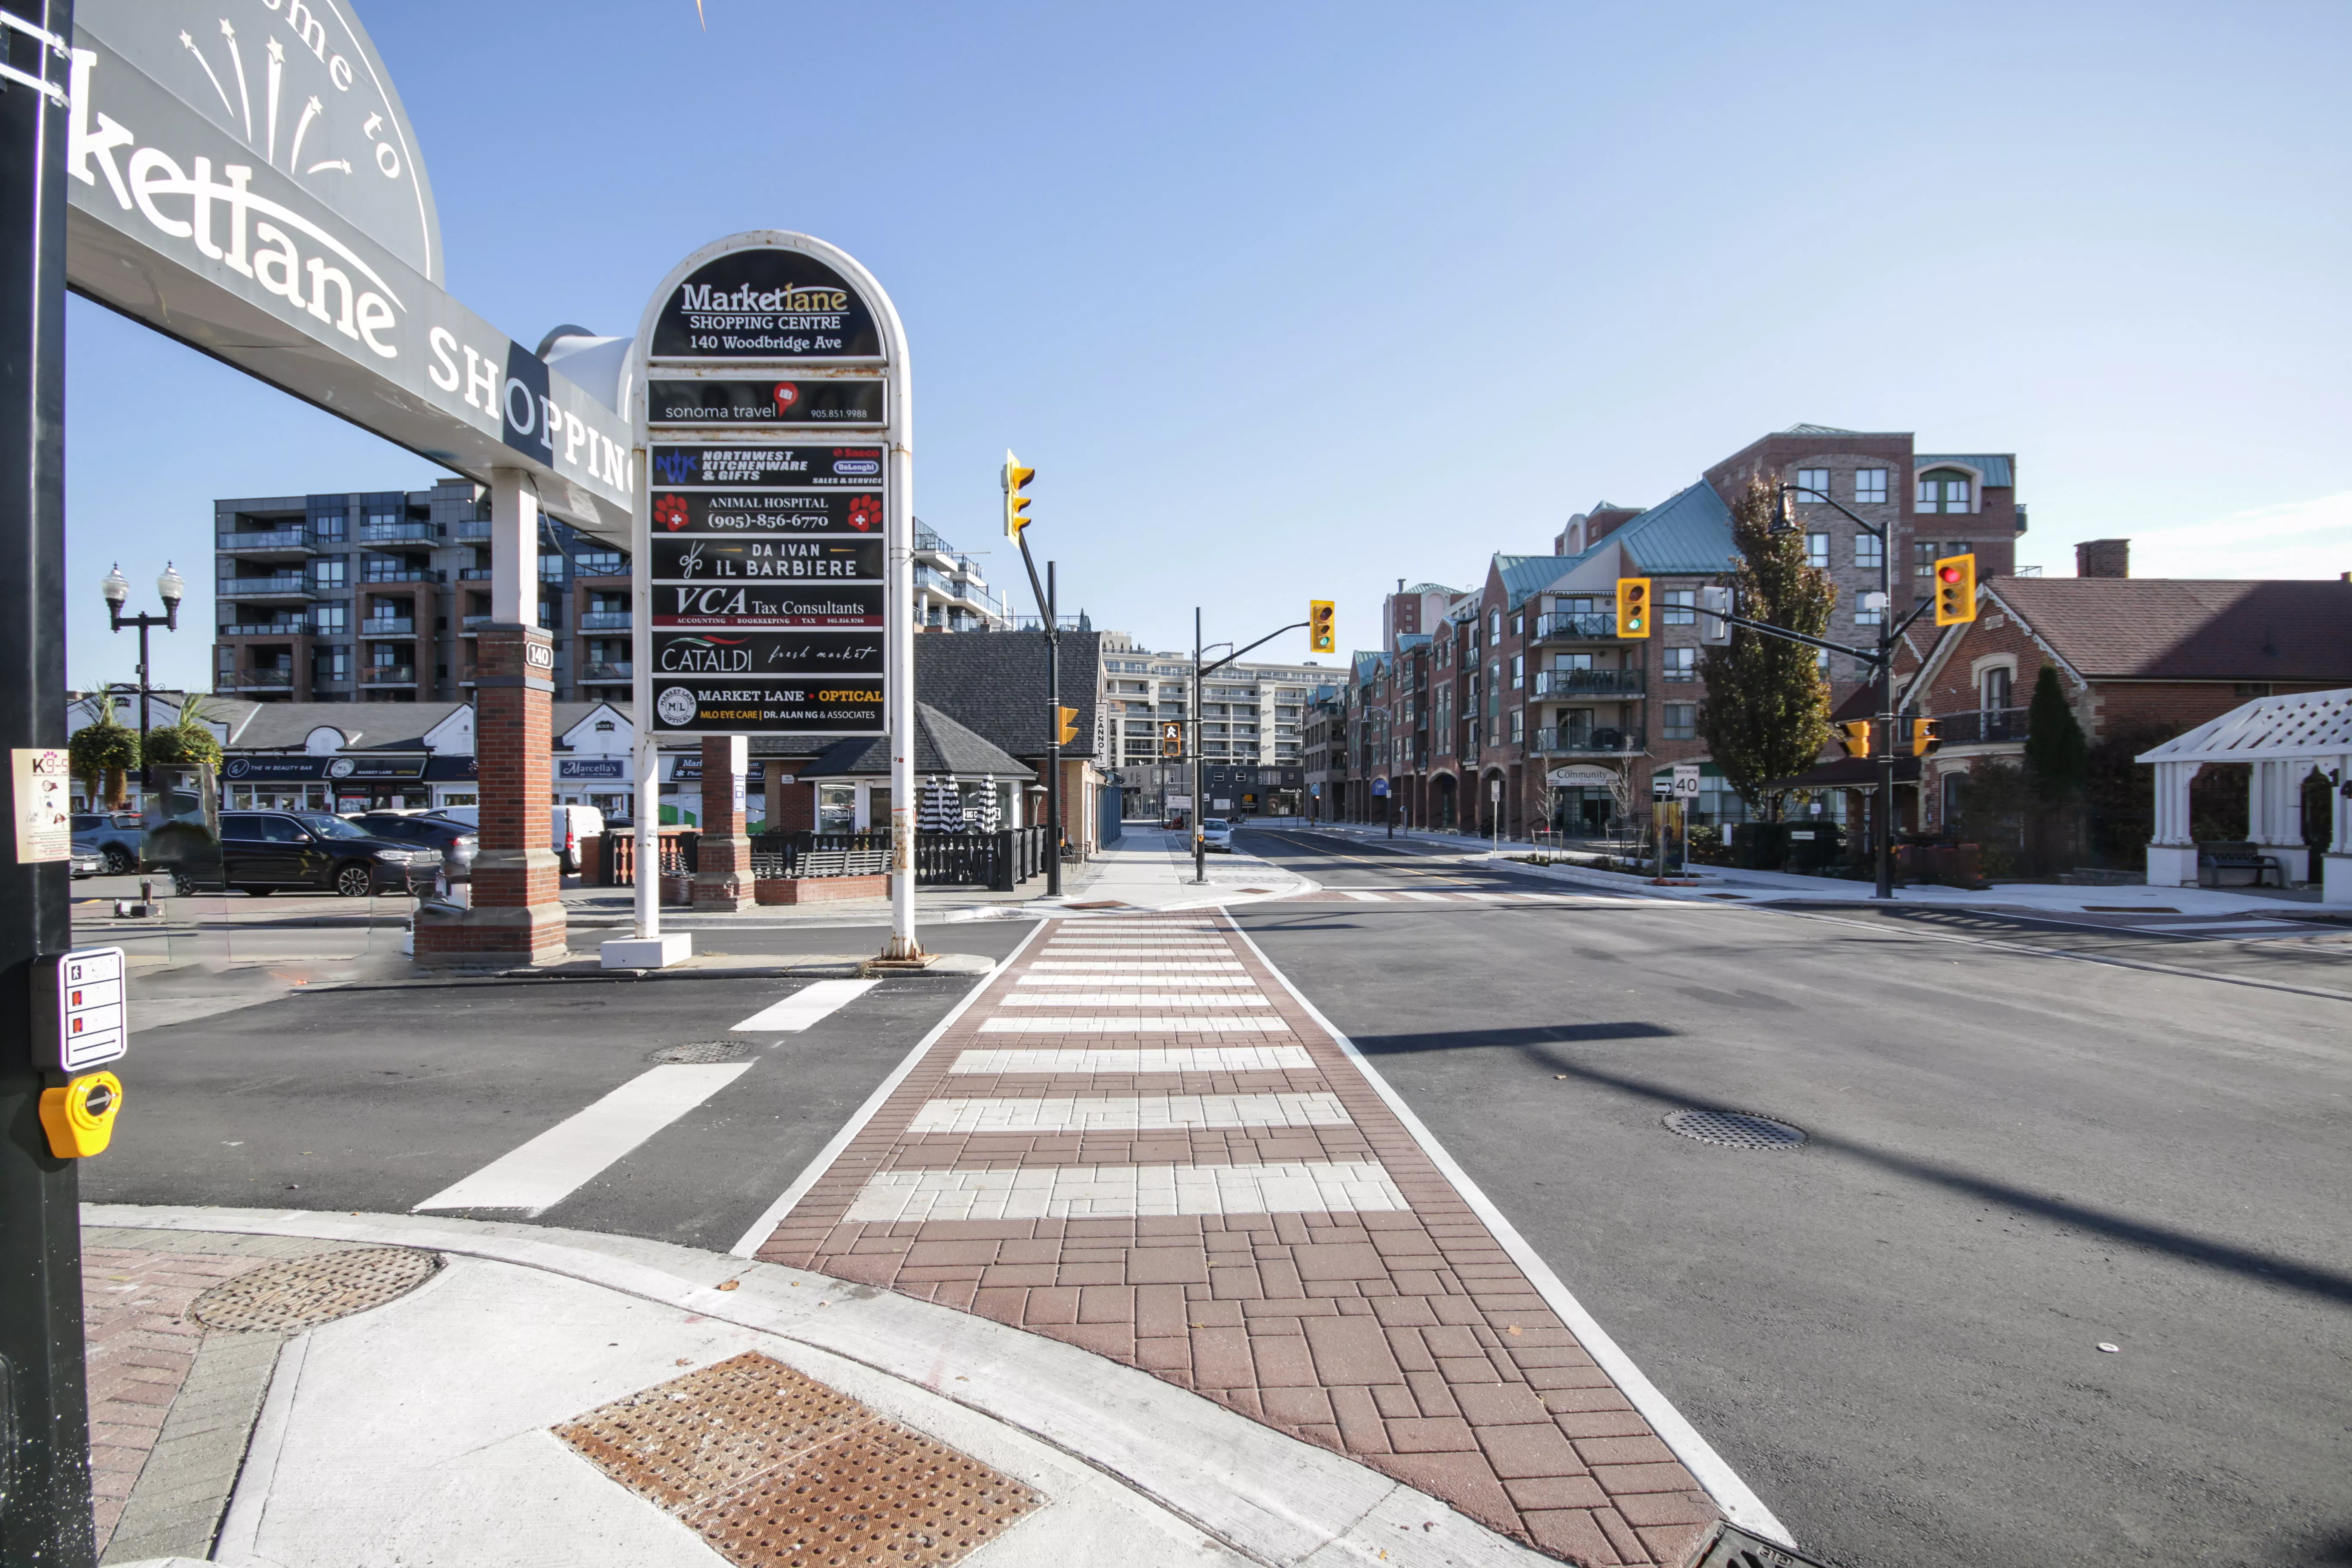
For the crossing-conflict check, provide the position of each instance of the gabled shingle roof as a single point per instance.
(994, 684)
(942, 746)
(2163, 628)
(366, 726)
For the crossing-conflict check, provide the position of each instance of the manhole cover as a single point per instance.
(700, 1051)
(1734, 1129)
(772, 1467)
(303, 1292)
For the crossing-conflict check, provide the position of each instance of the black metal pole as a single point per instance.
(1054, 737)
(143, 712)
(45, 1514)
(1885, 725)
(1200, 849)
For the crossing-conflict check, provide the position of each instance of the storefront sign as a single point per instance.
(1581, 775)
(591, 767)
(274, 770)
(769, 561)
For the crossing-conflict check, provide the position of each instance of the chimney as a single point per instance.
(2102, 558)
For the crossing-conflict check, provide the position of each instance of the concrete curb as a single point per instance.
(1274, 1499)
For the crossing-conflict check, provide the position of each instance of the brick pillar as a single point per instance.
(722, 878)
(517, 917)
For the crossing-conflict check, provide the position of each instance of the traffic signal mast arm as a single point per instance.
(1211, 668)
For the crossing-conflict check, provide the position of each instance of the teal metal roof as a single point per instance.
(1526, 575)
(1686, 533)
(1998, 468)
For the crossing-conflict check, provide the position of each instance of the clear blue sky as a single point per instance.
(1290, 300)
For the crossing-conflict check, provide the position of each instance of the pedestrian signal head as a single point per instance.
(1015, 479)
(1065, 725)
(1924, 738)
(1854, 736)
(1172, 737)
(1632, 606)
(1956, 590)
(1320, 629)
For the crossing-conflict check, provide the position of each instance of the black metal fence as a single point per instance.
(1001, 861)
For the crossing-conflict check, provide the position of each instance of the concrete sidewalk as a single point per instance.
(463, 1391)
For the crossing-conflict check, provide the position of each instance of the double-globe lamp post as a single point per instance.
(170, 587)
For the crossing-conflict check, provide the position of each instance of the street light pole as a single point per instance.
(1053, 738)
(1200, 849)
(171, 588)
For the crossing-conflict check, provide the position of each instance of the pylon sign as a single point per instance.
(774, 522)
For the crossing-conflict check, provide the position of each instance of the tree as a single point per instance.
(1767, 714)
(2057, 755)
(101, 752)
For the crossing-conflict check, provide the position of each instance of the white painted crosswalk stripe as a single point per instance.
(1143, 966)
(1433, 898)
(1368, 898)
(1077, 1191)
(543, 1172)
(1141, 1024)
(811, 1003)
(1188, 999)
(1240, 982)
(1151, 1058)
(1130, 1112)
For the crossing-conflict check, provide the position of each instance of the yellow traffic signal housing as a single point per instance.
(1632, 606)
(1065, 725)
(1172, 737)
(1854, 736)
(1320, 628)
(1015, 479)
(1956, 590)
(1924, 738)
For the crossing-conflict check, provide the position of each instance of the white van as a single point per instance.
(571, 825)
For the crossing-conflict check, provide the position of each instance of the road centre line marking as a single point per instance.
(1130, 1112)
(811, 1003)
(543, 1172)
(1194, 1000)
(1731, 1494)
(1080, 1191)
(1150, 1024)
(747, 1245)
(1148, 1059)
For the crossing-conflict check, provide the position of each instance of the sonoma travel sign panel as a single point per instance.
(768, 516)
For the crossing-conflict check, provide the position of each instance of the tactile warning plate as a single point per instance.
(773, 1467)
(303, 1292)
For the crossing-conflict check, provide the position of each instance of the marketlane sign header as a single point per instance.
(765, 305)
(245, 179)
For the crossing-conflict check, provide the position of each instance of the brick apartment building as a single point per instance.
(1519, 695)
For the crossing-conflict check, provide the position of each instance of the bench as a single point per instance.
(2222, 857)
(844, 863)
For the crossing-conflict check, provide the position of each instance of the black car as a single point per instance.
(262, 851)
(457, 842)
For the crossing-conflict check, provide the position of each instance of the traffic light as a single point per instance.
(1066, 725)
(1924, 738)
(1320, 631)
(1015, 479)
(1632, 606)
(1956, 590)
(1714, 604)
(1854, 736)
(1172, 737)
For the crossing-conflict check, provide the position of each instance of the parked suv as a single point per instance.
(262, 851)
(117, 836)
(569, 827)
(457, 842)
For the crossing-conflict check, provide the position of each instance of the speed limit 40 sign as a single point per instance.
(1686, 781)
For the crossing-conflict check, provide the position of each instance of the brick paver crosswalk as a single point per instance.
(1196, 1179)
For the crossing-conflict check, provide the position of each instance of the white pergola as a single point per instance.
(2285, 738)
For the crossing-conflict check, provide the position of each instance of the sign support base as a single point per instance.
(646, 952)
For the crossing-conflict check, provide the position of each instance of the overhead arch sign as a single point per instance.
(244, 178)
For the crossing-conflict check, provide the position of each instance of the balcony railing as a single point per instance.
(1576, 625)
(605, 621)
(1600, 741)
(277, 540)
(391, 675)
(473, 573)
(596, 673)
(277, 586)
(1985, 727)
(470, 528)
(374, 574)
(388, 626)
(267, 629)
(399, 532)
(264, 679)
(468, 625)
(1589, 683)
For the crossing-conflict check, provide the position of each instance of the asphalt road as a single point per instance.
(1893, 1332)
(378, 1098)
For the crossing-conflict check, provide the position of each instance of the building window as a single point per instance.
(1519, 726)
(1812, 485)
(599, 563)
(1869, 549)
(1867, 610)
(1822, 662)
(1870, 485)
(1923, 557)
(1520, 625)
(550, 568)
(1518, 671)
(331, 620)
(331, 574)
(1682, 720)
(1944, 490)
(1680, 663)
(1817, 551)
(1996, 689)
(1682, 606)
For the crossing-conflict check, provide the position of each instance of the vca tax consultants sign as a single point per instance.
(776, 502)
(244, 178)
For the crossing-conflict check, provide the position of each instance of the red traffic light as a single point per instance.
(1949, 574)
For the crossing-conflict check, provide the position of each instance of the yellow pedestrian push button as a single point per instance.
(79, 1118)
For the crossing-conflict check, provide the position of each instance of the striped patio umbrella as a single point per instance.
(940, 807)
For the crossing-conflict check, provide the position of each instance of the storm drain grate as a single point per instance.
(303, 1292)
(700, 1052)
(772, 1467)
(1734, 1129)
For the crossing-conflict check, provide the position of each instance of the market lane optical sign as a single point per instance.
(773, 505)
